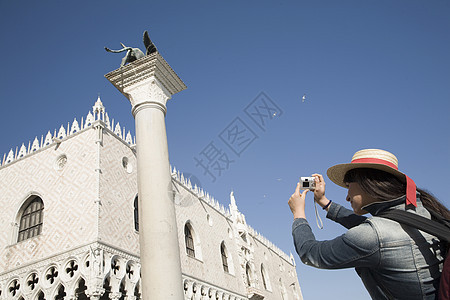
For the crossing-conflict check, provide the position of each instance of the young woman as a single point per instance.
(394, 261)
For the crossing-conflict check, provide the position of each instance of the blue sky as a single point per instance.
(375, 74)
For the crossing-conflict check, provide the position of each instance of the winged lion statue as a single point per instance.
(133, 54)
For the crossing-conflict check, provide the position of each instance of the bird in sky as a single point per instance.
(304, 98)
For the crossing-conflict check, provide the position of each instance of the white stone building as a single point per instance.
(69, 225)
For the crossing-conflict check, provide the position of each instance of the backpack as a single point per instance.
(438, 227)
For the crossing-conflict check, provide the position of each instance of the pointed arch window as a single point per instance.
(61, 293)
(136, 214)
(223, 252)
(189, 240)
(265, 278)
(40, 296)
(31, 220)
(107, 287)
(248, 272)
(80, 291)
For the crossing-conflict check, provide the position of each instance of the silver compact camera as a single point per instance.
(307, 183)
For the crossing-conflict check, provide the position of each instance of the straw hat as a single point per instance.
(373, 159)
(367, 158)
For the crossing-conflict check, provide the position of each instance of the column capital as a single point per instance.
(149, 80)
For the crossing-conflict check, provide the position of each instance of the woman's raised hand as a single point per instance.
(297, 202)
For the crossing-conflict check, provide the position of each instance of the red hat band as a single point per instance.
(410, 185)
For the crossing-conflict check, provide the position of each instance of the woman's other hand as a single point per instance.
(297, 203)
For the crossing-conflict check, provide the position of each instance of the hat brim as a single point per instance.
(337, 173)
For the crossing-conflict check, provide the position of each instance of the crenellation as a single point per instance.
(129, 138)
(35, 145)
(89, 120)
(48, 139)
(63, 132)
(75, 127)
(117, 130)
(22, 151)
(10, 157)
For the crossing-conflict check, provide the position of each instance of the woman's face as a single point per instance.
(358, 198)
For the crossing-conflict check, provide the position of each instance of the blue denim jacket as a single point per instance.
(394, 261)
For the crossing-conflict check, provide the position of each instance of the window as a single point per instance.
(61, 293)
(31, 221)
(244, 237)
(248, 274)
(189, 240)
(107, 287)
(136, 214)
(265, 278)
(41, 296)
(192, 241)
(80, 291)
(223, 251)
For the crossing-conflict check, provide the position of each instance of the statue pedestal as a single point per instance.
(148, 83)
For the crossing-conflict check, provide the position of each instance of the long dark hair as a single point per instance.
(385, 186)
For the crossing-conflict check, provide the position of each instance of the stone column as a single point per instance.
(148, 83)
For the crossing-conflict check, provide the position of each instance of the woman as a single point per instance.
(394, 261)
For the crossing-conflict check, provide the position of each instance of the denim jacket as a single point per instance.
(394, 261)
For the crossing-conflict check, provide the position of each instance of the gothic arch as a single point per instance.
(192, 241)
(118, 268)
(25, 201)
(31, 282)
(39, 295)
(265, 278)
(13, 288)
(249, 278)
(122, 290)
(227, 260)
(29, 218)
(137, 290)
(50, 277)
(136, 213)
(107, 287)
(80, 289)
(60, 292)
(70, 269)
(132, 271)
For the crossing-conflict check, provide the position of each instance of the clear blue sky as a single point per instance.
(376, 74)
